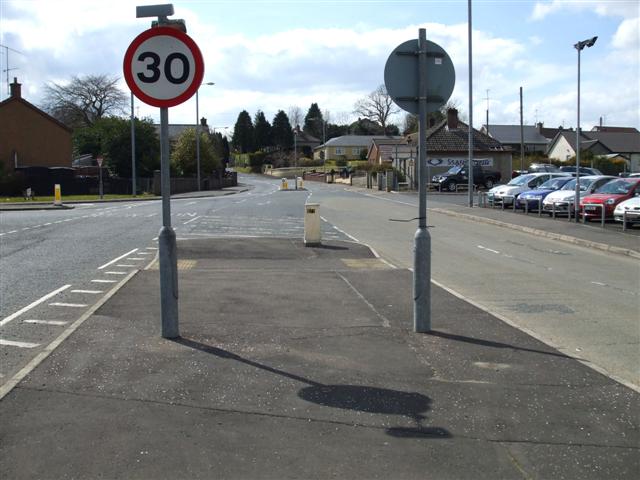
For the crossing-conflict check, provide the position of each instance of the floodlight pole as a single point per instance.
(579, 46)
(422, 239)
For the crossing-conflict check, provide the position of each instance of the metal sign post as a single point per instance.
(100, 185)
(420, 77)
(163, 67)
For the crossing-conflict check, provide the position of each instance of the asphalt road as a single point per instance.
(581, 301)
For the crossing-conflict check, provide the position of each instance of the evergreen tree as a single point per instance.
(261, 131)
(313, 121)
(183, 155)
(243, 133)
(281, 131)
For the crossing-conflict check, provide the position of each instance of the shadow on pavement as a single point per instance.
(349, 397)
(490, 343)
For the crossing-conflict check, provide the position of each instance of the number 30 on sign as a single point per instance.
(163, 67)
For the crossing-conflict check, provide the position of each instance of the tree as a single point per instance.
(243, 133)
(313, 121)
(377, 107)
(295, 116)
(84, 100)
(183, 155)
(111, 137)
(281, 131)
(261, 131)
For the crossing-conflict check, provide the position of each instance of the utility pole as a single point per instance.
(521, 136)
(487, 111)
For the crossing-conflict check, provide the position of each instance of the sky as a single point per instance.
(277, 54)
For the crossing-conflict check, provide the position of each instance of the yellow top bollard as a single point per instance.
(57, 194)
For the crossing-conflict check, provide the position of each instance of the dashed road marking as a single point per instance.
(99, 280)
(117, 259)
(11, 343)
(124, 265)
(115, 273)
(46, 322)
(71, 305)
(33, 304)
(93, 292)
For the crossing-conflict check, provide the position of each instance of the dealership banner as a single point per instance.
(459, 162)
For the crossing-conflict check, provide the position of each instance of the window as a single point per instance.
(355, 151)
(339, 151)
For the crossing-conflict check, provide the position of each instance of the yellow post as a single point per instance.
(57, 195)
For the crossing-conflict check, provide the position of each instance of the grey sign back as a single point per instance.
(401, 76)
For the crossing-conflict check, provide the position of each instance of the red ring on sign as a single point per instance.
(198, 67)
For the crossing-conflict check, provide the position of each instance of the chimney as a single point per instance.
(203, 122)
(540, 126)
(432, 122)
(16, 88)
(452, 119)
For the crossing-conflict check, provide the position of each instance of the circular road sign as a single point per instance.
(163, 67)
(401, 76)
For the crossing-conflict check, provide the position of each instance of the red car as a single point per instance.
(609, 195)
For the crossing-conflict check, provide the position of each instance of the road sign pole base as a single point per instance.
(168, 256)
(422, 281)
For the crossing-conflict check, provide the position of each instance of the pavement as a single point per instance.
(301, 362)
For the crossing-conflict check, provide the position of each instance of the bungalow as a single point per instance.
(448, 145)
(347, 147)
(600, 141)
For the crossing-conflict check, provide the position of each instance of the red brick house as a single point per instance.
(30, 137)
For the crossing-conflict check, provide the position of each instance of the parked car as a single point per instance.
(506, 193)
(542, 167)
(609, 195)
(565, 197)
(583, 170)
(458, 175)
(632, 207)
(533, 198)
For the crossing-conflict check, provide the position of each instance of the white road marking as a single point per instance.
(31, 305)
(124, 265)
(58, 323)
(145, 253)
(103, 281)
(152, 248)
(345, 233)
(115, 273)
(11, 343)
(189, 221)
(137, 259)
(12, 231)
(600, 284)
(190, 203)
(26, 228)
(151, 215)
(47, 224)
(385, 320)
(488, 249)
(116, 259)
(92, 292)
(40, 357)
(71, 305)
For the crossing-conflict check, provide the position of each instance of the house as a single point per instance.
(388, 150)
(305, 142)
(510, 135)
(600, 141)
(448, 146)
(347, 147)
(31, 137)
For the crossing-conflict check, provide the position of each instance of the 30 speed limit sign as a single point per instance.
(163, 67)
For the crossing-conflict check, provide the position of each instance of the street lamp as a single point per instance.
(295, 155)
(324, 140)
(579, 46)
(198, 136)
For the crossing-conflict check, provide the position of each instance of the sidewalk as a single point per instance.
(23, 206)
(301, 362)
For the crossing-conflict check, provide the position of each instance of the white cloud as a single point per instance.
(605, 8)
(627, 35)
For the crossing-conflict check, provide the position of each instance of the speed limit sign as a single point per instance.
(163, 67)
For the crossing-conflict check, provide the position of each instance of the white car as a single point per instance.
(565, 197)
(632, 207)
(506, 194)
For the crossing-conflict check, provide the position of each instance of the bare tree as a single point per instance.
(295, 116)
(377, 107)
(84, 100)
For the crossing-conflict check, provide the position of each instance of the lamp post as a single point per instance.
(295, 155)
(198, 136)
(324, 139)
(579, 46)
